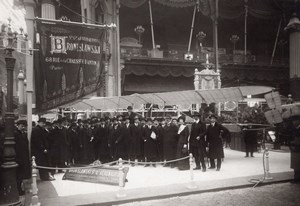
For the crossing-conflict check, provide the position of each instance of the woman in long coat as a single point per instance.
(182, 148)
(214, 134)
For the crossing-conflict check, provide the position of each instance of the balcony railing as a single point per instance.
(195, 56)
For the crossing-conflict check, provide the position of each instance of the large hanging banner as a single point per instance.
(68, 64)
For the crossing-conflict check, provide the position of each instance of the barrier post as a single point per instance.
(268, 174)
(191, 183)
(121, 193)
(34, 198)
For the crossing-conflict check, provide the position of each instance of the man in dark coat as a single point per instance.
(150, 142)
(160, 138)
(136, 140)
(250, 138)
(214, 134)
(197, 142)
(39, 148)
(126, 135)
(76, 143)
(22, 154)
(116, 141)
(130, 114)
(61, 145)
(170, 141)
(102, 135)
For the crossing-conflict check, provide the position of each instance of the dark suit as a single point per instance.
(117, 142)
(198, 147)
(214, 135)
(136, 141)
(102, 143)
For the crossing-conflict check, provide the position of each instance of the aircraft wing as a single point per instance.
(187, 97)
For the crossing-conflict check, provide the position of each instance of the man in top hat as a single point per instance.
(135, 143)
(126, 135)
(197, 141)
(214, 134)
(40, 148)
(22, 154)
(130, 114)
(102, 134)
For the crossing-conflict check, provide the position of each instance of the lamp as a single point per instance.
(8, 187)
(139, 30)
(234, 39)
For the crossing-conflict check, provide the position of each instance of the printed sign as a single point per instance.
(106, 175)
(69, 63)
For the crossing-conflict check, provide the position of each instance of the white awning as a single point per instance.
(171, 98)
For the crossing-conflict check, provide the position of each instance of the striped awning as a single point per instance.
(183, 98)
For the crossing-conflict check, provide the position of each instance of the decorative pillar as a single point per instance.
(48, 9)
(294, 30)
(9, 194)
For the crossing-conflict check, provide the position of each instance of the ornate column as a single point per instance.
(9, 194)
(294, 30)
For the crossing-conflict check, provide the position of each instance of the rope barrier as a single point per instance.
(70, 168)
(161, 162)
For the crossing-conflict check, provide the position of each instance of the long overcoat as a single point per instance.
(214, 135)
(170, 141)
(38, 145)
(22, 155)
(136, 140)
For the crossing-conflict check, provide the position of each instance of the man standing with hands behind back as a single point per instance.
(197, 141)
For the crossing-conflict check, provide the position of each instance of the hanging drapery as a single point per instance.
(132, 3)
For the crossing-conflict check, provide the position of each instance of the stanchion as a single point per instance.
(34, 198)
(192, 184)
(121, 193)
(268, 174)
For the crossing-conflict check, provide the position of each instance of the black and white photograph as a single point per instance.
(149, 102)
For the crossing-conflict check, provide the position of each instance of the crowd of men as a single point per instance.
(65, 143)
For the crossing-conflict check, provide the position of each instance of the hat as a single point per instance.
(42, 119)
(73, 125)
(196, 114)
(136, 117)
(213, 116)
(127, 117)
(129, 108)
(48, 123)
(22, 122)
(181, 117)
(102, 120)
